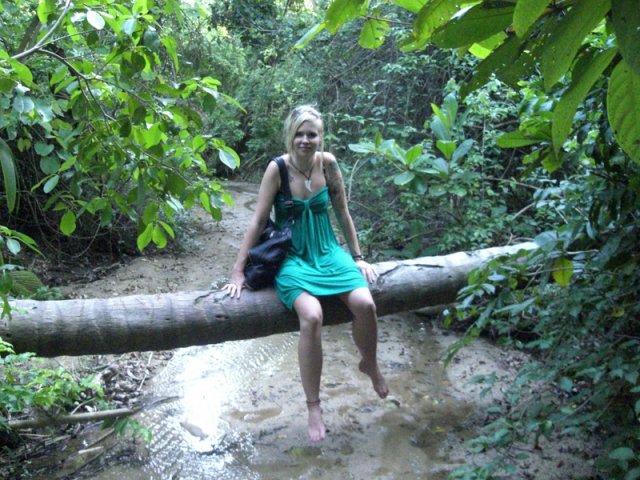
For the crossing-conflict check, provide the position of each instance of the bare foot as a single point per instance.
(378, 381)
(316, 425)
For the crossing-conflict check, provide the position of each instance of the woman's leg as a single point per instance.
(365, 335)
(309, 313)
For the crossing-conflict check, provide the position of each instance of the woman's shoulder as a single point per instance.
(328, 158)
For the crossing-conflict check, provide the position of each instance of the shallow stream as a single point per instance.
(240, 412)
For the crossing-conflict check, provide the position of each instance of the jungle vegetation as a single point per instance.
(473, 123)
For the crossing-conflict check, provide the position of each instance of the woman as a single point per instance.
(316, 264)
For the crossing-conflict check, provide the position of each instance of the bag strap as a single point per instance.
(284, 186)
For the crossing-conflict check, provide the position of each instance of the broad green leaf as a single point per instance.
(158, 236)
(22, 104)
(60, 73)
(150, 214)
(14, 246)
(413, 154)
(622, 453)
(51, 183)
(623, 108)
(434, 14)
(342, 11)
(68, 223)
(229, 157)
(95, 19)
(477, 24)
(43, 149)
(484, 48)
(462, 150)
(22, 71)
(145, 237)
(404, 178)
(8, 175)
(526, 13)
(129, 26)
(562, 271)
(140, 6)
(447, 148)
(502, 58)
(411, 5)
(567, 37)
(310, 35)
(153, 136)
(588, 69)
(516, 139)
(172, 50)
(49, 165)
(373, 33)
(45, 9)
(625, 17)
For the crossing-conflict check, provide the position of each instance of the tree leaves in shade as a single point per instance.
(625, 17)
(373, 33)
(8, 175)
(342, 11)
(562, 271)
(567, 37)
(479, 23)
(526, 13)
(585, 74)
(623, 108)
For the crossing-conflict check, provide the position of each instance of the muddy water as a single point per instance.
(241, 413)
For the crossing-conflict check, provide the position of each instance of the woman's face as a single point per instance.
(307, 138)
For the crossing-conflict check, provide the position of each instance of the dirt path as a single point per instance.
(258, 429)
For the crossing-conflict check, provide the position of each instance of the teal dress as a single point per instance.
(316, 263)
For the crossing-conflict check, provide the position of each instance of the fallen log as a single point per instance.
(172, 320)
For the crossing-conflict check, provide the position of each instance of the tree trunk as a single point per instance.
(172, 320)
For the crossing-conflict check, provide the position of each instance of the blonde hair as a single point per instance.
(297, 116)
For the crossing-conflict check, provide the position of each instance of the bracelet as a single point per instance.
(358, 257)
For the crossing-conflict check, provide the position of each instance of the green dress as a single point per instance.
(316, 263)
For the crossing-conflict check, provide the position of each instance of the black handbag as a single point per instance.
(267, 256)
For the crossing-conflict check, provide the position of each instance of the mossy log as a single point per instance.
(172, 320)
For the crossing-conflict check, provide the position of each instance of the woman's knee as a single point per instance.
(361, 304)
(309, 312)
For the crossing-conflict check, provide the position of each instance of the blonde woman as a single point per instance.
(316, 264)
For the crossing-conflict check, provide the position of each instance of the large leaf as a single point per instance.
(411, 5)
(562, 271)
(373, 33)
(587, 71)
(526, 13)
(434, 14)
(310, 35)
(477, 24)
(342, 11)
(625, 16)
(623, 108)
(501, 58)
(567, 37)
(8, 175)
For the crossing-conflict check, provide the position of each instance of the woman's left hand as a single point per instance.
(367, 271)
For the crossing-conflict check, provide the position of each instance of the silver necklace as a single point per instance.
(307, 181)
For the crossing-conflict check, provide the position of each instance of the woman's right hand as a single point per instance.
(234, 287)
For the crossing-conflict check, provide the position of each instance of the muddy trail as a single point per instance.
(237, 411)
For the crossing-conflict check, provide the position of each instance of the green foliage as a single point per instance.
(572, 303)
(458, 182)
(106, 129)
(27, 384)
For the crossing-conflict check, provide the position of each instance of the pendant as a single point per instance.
(307, 183)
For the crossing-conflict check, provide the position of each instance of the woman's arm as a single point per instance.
(341, 209)
(266, 195)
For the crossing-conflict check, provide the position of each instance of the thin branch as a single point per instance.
(46, 36)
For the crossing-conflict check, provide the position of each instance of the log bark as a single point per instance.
(173, 320)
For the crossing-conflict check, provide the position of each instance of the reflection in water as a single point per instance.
(241, 413)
